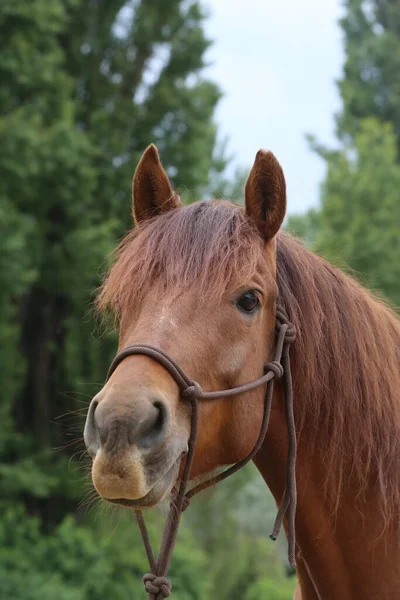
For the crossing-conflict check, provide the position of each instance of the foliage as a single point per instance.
(280, 589)
(15, 275)
(360, 217)
(358, 222)
(104, 557)
(81, 563)
(370, 86)
(304, 226)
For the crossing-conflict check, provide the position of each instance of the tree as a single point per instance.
(358, 223)
(305, 226)
(15, 277)
(360, 213)
(85, 86)
(370, 86)
(86, 562)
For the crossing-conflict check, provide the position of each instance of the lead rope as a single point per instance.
(156, 583)
(289, 500)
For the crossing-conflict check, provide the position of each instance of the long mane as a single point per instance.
(346, 363)
(346, 356)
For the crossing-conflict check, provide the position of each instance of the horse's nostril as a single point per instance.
(155, 427)
(115, 426)
(158, 424)
(91, 434)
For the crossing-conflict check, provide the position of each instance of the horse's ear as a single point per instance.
(265, 194)
(151, 188)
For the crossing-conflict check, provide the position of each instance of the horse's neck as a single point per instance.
(344, 555)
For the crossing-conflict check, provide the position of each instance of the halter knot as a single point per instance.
(283, 319)
(275, 367)
(185, 502)
(281, 315)
(157, 587)
(193, 390)
(290, 334)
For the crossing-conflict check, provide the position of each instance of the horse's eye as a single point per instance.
(248, 302)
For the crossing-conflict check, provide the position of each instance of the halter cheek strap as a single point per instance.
(156, 583)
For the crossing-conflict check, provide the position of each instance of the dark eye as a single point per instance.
(248, 302)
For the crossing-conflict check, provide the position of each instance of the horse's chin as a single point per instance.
(156, 495)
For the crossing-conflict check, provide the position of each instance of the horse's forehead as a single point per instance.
(201, 248)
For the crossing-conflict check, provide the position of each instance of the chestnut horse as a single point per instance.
(201, 282)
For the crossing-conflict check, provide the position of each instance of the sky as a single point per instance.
(277, 63)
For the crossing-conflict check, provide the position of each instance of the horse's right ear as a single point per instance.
(151, 189)
(265, 194)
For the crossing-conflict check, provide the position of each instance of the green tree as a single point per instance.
(279, 589)
(85, 562)
(370, 86)
(15, 277)
(360, 213)
(85, 86)
(358, 223)
(305, 226)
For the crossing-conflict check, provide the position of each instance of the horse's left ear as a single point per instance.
(265, 194)
(151, 188)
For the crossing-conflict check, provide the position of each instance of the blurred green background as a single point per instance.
(76, 111)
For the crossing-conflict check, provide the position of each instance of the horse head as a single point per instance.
(199, 283)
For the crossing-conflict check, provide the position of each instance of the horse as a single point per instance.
(201, 282)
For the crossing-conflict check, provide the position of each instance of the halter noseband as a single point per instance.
(156, 583)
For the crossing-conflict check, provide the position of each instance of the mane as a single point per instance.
(346, 379)
(347, 351)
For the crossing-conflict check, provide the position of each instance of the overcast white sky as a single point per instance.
(277, 63)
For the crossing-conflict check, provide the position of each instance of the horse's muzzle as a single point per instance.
(135, 452)
(114, 425)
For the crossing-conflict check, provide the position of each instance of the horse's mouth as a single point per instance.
(156, 495)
